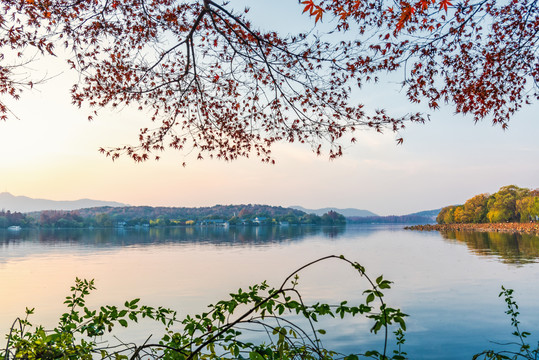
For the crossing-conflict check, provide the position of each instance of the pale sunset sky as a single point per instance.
(51, 151)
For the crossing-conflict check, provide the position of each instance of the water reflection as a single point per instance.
(234, 236)
(450, 294)
(510, 248)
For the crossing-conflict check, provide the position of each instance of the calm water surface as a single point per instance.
(447, 283)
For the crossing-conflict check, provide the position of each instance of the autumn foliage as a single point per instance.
(211, 81)
(510, 204)
(479, 55)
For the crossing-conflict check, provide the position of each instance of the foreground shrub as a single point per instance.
(288, 323)
(519, 349)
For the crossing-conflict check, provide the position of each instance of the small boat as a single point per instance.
(14, 228)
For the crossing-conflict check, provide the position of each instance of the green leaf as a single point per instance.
(401, 323)
(385, 285)
(253, 355)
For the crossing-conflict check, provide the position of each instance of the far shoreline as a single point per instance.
(521, 228)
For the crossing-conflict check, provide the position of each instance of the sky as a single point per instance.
(51, 151)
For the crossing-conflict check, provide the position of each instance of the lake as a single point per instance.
(448, 283)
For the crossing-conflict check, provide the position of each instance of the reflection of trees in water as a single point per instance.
(333, 231)
(511, 248)
(233, 236)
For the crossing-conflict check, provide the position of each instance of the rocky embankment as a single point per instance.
(528, 228)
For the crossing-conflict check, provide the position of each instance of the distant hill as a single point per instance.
(217, 211)
(26, 204)
(428, 213)
(350, 212)
(422, 217)
(108, 216)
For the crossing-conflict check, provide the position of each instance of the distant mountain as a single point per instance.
(27, 204)
(422, 217)
(345, 212)
(427, 213)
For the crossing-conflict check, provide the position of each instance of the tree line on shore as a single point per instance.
(170, 216)
(510, 204)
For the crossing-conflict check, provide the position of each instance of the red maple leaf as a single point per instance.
(444, 4)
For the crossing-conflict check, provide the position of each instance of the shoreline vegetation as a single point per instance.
(511, 204)
(511, 210)
(511, 227)
(146, 216)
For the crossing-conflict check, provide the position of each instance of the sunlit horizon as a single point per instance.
(50, 151)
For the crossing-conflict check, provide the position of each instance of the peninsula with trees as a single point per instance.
(510, 209)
